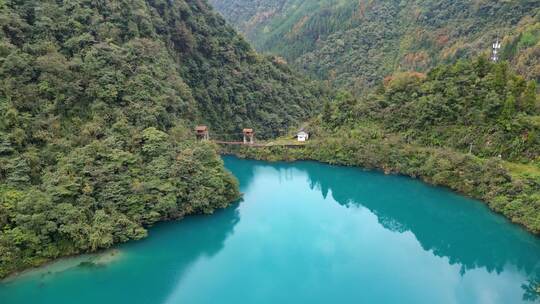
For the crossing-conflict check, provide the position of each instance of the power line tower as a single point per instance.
(496, 47)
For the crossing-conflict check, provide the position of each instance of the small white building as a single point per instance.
(302, 136)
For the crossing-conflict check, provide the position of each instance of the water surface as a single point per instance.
(311, 233)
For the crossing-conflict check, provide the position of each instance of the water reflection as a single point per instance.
(444, 223)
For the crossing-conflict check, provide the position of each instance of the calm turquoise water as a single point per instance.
(312, 233)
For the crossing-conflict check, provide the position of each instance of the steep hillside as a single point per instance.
(356, 43)
(97, 104)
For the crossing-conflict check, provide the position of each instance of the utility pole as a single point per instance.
(495, 50)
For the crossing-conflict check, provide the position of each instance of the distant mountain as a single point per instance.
(356, 43)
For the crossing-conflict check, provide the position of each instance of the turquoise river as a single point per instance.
(308, 233)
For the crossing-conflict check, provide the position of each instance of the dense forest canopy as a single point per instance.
(471, 106)
(355, 43)
(97, 104)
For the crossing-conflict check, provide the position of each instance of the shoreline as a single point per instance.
(270, 154)
(61, 264)
(291, 155)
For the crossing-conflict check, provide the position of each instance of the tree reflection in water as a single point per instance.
(463, 230)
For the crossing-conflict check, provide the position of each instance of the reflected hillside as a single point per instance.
(439, 221)
(460, 229)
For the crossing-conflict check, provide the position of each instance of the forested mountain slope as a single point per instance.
(97, 104)
(356, 43)
(472, 107)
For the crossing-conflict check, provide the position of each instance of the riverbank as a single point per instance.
(510, 189)
(101, 259)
